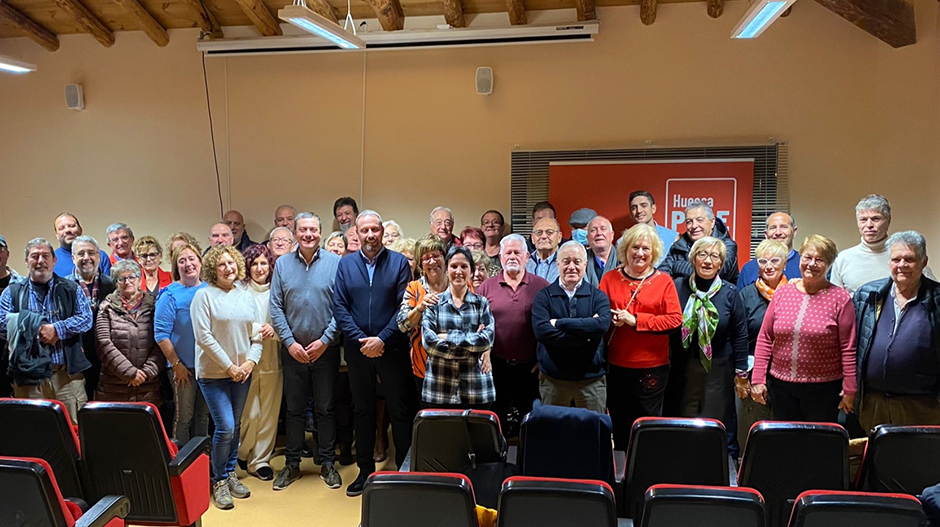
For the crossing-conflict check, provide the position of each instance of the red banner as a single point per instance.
(724, 184)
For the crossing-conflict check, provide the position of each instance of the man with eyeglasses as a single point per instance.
(442, 224)
(53, 309)
(281, 241)
(782, 228)
(96, 286)
(700, 221)
(121, 242)
(570, 318)
(546, 236)
(67, 228)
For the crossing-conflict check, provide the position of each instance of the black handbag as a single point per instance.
(486, 478)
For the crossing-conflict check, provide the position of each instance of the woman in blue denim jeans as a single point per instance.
(228, 346)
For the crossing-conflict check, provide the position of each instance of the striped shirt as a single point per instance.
(454, 374)
(77, 324)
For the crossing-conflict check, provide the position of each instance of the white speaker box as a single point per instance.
(74, 97)
(484, 80)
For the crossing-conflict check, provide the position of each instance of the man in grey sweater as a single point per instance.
(302, 315)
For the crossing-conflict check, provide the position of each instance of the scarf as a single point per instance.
(765, 290)
(133, 305)
(702, 315)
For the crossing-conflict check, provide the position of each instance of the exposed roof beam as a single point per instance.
(324, 8)
(715, 7)
(892, 21)
(586, 10)
(88, 21)
(259, 15)
(145, 20)
(204, 18)
(34, 31)
(517, 16)
(453, 13)
(647, 12)
(390, 14)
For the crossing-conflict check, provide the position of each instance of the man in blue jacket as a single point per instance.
(368, 292)
(570, 318)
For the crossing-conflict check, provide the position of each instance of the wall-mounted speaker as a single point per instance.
(484, 80)
(74, 97)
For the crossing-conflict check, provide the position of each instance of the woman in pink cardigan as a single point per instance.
(807, 342)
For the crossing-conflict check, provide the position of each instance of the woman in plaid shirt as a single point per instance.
(457, 333)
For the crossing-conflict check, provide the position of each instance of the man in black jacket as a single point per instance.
(700, 221)
(899, 340)
(570, 318)
(96, 286)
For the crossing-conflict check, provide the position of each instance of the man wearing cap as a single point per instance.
(579, 221)
(7, 276)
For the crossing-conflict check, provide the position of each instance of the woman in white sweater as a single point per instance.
(259, 422)
(228, 346)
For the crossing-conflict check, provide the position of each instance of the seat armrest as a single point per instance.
(107, 509)
(620, 465)
(82, 504)
(188, 454)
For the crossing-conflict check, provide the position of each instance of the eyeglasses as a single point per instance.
(129, 278)
(775, 261)
(123, 238)
(549, 233)
(715, 257)
(280, 241)
(438, 223)
(494, 223)
(808, 260)
(432, 256)
(149, 256)
(474, 246)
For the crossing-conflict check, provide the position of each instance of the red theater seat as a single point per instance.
(822, 508)
(127, 451)
(42, 429)
(29, 496)
(418, 499)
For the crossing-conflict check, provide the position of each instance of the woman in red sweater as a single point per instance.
(644, 307)
(807, 342)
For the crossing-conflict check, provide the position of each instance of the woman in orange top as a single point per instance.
(421, 293)
(644, 307)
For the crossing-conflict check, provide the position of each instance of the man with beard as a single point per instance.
(782, 228)
(96, 286)
(62, 313)
(345, 210)
(511, 294)
(67, 228)
(367, 294)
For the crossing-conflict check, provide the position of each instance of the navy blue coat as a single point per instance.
(573, 349)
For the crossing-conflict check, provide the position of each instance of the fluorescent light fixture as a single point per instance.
(11, 65)
(759, 15)
(313, 22)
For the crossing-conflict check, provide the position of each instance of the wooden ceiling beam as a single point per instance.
(715, 7)
(204, 18)
(34, 31)
(323, 8)
(892, 21)
(390, 14)
(145, 20)
(517, 16)
(586, 10)
(648, 12)
(259, 15)
(453, 13)
(88, 21)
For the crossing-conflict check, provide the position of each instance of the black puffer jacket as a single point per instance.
(869, 299)
(676, 263)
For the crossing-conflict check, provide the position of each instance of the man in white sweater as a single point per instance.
(867, 261)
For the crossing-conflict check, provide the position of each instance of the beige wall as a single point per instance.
(860, 117)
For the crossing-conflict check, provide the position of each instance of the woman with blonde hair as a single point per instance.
(150, 255)
(225, 323)
(804, 358)
(644, 307)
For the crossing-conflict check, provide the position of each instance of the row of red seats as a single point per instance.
(420, 499)
(117, 449)
(781, 459)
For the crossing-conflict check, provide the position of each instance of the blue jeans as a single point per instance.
(226, 400)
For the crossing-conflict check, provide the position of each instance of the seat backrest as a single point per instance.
(126, 452)
(418, 499)
(440, 442)
(674, 505)
(549, 502)
(42, 429)
(562, 442)
(783, 459)
(674, 451)
(903, 459)
(817, 508)
(29, 496)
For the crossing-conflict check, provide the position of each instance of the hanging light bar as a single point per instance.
(312, 22)
(11, 65)
(758, 17)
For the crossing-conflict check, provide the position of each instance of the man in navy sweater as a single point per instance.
(368, 291)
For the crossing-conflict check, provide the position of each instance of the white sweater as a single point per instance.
(226, 325)
(863, 263)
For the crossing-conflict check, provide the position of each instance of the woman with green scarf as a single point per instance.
(709, 353)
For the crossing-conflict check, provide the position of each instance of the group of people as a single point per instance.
(653, 323)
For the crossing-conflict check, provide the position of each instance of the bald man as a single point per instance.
(236, 222)
(220, 234)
